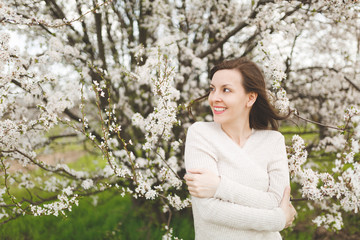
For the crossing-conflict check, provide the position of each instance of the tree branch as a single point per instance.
(224, 40)
(113, 49)
(317, 123)
(242, 25)
(332, 69)
(85, 37)
(98, 25)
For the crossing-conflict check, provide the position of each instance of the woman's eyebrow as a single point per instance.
(224, 85)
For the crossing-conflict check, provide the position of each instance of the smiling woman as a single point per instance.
(236, 166)
(229, 102)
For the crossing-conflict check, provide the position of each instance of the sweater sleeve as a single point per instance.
(199, 154)
(278, 172)
(237, 216)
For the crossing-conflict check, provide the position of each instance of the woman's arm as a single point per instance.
(198, 154)
(228, 214)
(278, 172)
(206, 183)
(237, 216)
(203, 183)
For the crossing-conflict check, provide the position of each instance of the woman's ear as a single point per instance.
(251, 99)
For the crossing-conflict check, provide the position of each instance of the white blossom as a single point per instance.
(87, 184)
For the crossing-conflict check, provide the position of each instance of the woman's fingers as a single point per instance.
(287, 207)
(193, 192)
(202, 182)
(197, 171)
(190, 184)
(286, 196)
(189, 177)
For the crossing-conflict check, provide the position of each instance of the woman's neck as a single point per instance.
(238, 132)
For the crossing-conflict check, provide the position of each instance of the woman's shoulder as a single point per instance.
(270, 135)
(269, 139)
(203, 125)
(203, 133)
(204, 128)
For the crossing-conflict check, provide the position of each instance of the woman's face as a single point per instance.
(228, 100)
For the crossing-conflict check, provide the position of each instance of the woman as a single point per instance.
(237, 169)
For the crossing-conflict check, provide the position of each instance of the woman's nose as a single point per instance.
(215, 96)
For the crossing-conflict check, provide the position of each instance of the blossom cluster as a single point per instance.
(157, 127)
(329, 221)
(158, 124)
(177, 203)
(323, 187)
(169, 234)
(297, 155)
(66, 200)
(351, 112)
(10, 15)
(274, 71)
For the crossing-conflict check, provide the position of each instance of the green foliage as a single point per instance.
(90, 162)
(308, 133)
(84, 222)
(114, 217)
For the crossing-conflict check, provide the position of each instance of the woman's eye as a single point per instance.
(226, 90)
(211, 89)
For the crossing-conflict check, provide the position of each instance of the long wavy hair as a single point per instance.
(262, 114)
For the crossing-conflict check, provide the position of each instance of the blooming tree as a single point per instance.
(118, 76)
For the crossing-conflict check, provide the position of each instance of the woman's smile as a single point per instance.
(218, 110)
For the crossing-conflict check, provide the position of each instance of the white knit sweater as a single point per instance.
(253, 178)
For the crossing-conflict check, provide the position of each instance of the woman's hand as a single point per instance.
(202, 183)
(287, 207)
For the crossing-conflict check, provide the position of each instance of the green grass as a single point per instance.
(84, 222)
(88, 162)
(114, 217)
(306, 132)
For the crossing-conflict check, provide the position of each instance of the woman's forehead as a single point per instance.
(226, 76)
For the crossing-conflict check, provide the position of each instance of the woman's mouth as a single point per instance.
(218, 110)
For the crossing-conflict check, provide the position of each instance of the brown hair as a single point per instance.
(262, 113)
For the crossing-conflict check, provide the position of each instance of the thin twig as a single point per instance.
(298, 199)
(317, 123)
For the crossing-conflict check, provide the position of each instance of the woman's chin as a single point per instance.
(218, 119)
